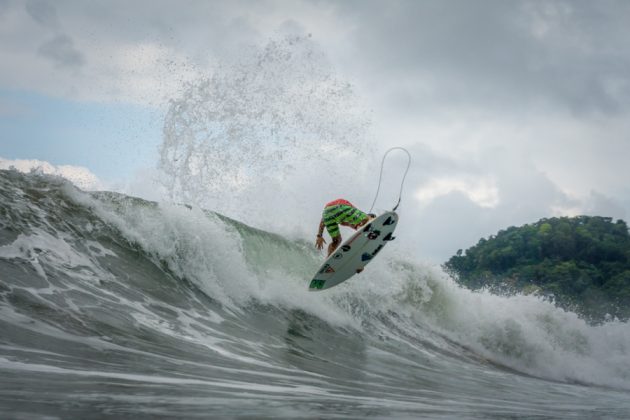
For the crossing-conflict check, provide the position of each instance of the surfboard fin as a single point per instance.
(389, 237)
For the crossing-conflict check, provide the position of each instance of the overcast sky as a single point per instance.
(512, 110)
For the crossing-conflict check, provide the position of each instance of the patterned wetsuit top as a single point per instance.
(340, 211)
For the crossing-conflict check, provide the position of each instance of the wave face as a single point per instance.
(113, 306)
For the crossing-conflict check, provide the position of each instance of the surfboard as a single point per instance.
(355, 253)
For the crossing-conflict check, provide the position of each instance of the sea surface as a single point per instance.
(116, 307)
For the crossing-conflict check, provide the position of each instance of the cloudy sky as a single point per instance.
(512, 110)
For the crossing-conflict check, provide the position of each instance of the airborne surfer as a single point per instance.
(339, 212)
(373, 233)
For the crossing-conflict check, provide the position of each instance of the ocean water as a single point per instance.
(116, 307)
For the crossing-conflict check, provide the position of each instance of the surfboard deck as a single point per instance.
(355, 253)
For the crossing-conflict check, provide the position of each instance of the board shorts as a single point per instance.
(341, 211)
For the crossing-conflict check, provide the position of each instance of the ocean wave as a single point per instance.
(130, 289)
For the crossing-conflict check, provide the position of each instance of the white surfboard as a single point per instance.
(355, 253)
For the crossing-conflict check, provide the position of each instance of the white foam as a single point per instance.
(194, 245)
(526, 333)
(40, 247)
(78, 175)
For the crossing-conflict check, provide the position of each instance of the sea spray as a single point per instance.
(252, 139)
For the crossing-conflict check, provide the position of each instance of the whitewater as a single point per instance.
(113, 306)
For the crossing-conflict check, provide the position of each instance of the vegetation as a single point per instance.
(582, 263)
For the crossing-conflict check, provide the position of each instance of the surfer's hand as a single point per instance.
(319, 242)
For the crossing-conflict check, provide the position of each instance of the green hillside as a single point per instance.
(582, 262)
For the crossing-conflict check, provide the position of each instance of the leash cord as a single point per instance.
(381, 176)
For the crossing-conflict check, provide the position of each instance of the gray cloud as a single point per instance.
(445, 226)
(573, 54)
(61, 51)
(4, 6)
(453, 220)
(421, 55)
(602, 205)
(42, 11)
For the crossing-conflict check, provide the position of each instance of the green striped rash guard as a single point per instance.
(341, 211)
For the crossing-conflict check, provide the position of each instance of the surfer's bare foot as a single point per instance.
(359, 270)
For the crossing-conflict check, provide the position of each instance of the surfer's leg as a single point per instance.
(334, 244)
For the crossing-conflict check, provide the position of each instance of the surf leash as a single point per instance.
(380, 177)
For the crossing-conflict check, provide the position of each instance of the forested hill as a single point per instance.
(582, 262)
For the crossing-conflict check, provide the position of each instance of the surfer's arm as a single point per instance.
(319, 242)
(320, 231)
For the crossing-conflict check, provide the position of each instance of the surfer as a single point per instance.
(339, 212)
